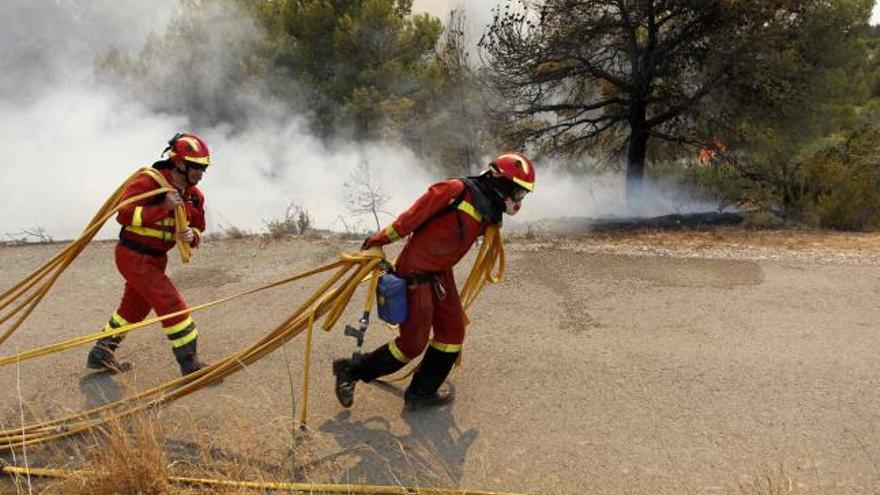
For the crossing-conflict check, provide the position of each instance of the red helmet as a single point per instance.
(515, 167)
(190, 148)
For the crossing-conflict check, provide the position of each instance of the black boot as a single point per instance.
(102, 356)
(363, 367)
(188, 358)
(423, 390)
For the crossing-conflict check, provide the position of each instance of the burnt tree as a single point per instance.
(616, 74)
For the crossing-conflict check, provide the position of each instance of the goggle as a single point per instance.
(518, 194)
(196, 166)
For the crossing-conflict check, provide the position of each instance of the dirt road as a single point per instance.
(673, 363)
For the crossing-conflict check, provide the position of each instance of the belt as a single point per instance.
(427, 278)
(422, 278)
(140, 248)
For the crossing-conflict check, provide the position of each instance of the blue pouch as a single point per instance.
(391, 298)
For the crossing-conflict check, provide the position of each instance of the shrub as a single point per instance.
(233, 232)
(763, 219)
(840, 181)
(295, 221)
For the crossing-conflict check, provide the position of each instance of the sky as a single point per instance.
(68, 140)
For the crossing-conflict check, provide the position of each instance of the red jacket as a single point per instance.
(437, 240)
(148, 223)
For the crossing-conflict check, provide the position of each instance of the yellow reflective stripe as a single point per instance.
(148, 232)
(166, 222)
(391, 233)
(180, 326)
(118, 319)
(115, 322)
(138, 219)
(528, 186)
(186, 339)
(470, 210)
(192, 142)
(392, 346)
(204, 160)
(450, 348)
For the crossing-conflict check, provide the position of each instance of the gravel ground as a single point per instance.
(631, 363)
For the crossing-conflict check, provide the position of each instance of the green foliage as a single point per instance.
(781, 138)
(839, 179)
(361, 60)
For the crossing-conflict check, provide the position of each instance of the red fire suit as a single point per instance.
(146, 236)
(438, 240)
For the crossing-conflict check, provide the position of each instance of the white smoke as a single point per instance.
(560, 193)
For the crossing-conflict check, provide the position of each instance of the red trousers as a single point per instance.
(426, 310)
(147, 287)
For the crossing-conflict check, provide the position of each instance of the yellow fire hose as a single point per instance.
(327, 299)
(268, 485)
(58, 263)
(328, 302)
(68, 344)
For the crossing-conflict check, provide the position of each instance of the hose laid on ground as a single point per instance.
(329, 300)
(58, 263)
(69, 344)
(268, 485)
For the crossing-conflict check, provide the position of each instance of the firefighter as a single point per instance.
(440, 227)
(147, 234)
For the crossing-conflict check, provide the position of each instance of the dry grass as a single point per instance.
(127, 459)
(139, 456)
(770, 482)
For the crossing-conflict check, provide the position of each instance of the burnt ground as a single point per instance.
(620, 363)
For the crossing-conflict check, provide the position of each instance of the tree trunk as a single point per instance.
(635, 165)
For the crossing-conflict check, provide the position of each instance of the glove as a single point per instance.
(368, 243)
